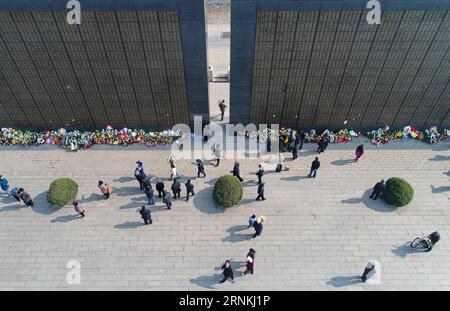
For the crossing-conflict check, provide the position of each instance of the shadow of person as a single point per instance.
(377, 205)
(130, 225)
(342, 162)
(92, 198)
(439, 189)
(340, 281)
(403, 250)
(439, 157)
(66, 218)
(42, 206)
(124, 179)
(206, 281)
(12, 208)
(126, 191)
(235, 237)
(294, 178)
(132, 205)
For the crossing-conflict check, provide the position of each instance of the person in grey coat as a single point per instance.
(167, 199)
(236, 171)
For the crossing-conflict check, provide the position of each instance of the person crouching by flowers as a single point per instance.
(105, 189)
(359, 152)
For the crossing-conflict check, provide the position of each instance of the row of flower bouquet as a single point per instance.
(75, 140)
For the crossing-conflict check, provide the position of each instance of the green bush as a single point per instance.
(227, 191)
(398, 192)
(62, 191)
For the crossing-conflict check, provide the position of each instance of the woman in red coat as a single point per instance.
(250, 261)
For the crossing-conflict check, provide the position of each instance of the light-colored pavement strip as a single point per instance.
(319, 233)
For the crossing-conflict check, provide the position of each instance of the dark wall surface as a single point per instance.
(133, 63)
(319, 63)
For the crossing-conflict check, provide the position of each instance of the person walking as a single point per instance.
(146, 215)
(200, 168)
(167, 199)
(302, 140)
(173, 170)
(105, 189)
(372, 272)
(4, 184)
(149, 193)
(176, 188)
(25, 197)
(227, 271)
(261, 192)
(359, 152)
(251, 220)
(160, 188)
(378, 189)
(314, 167)
(140, 166)
(217, 152)
(222, 108)
(250, 261)
(15, 193)
(294, 153)
(323, 144)
(280, 163)
(78, 208)
(189, 189)
(236, 171)
(140, 176)
(258, 225)
(260, 173)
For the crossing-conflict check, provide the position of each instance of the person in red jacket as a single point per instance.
(359, 152)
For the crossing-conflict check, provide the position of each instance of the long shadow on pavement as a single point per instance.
(377, 205)
(130, 225)
(440, 158)
(235, 237)
(294, 178)
(65, 218)
(342, 162)
(206, 281)
(42, 206)
(124, 179)
(126, 191)
(12, 208)
(340, 281)
(92, 198)
(404, 250)
(439, 189)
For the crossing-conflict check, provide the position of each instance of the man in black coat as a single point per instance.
(176, 188)
(160, 188)
(258, 225)
(295, 153)
(189, 189)
(260, 173)
(378, 190)
(261, 192)
(26, 198)
(146, 215)
(167, 199)
(314, 167)
(140, 176)
(227, 271)
(236, 171)
(302, 140)
(200, 168)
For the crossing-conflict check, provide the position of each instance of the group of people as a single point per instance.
(249, 267)
(16, 192)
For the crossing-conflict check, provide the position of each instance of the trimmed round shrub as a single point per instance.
(227, 191)
(63, 191)
(398, 192)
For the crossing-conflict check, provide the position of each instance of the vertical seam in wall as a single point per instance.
(309, 63)
(289, 68)
(417, 72)
(56, 72)
(128, 64)
(148, 77)
(326, 70)
(73, 68)
(271, 67)
(110, 70)
(434, 72)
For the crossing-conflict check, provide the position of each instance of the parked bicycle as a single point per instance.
(426, 241)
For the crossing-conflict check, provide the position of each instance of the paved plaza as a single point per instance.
(319, 233)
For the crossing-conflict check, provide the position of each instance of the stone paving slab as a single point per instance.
(318, 235)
